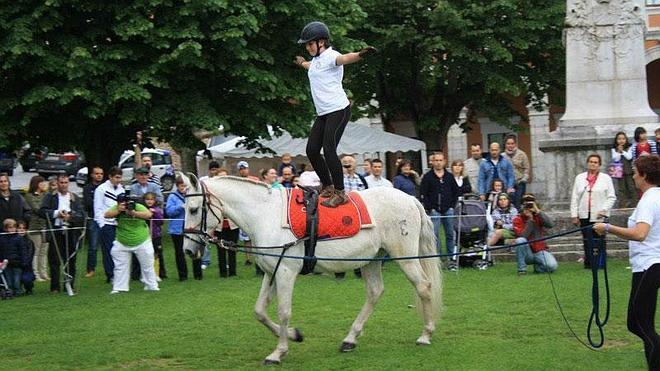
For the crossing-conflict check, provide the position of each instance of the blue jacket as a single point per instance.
(405, 183)
(136, 190)
(487, 171)
(175, 210)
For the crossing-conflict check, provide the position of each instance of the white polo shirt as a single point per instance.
(325, 81)
(646, 253)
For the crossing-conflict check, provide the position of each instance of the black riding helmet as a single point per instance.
(315, 31)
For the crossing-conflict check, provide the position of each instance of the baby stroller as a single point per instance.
(5, 291)
(471, 226)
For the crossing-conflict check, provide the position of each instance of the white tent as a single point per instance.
(357, 138)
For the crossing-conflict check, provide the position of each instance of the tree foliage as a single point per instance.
(93, 72)
(440, 56)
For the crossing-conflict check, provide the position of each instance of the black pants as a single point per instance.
(227, 258)
(180, 257)
(587, 236)
(158, 253)
(641, 312)
(326, 133)
(59, 250)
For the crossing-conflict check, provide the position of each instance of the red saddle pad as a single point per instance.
(340, 222)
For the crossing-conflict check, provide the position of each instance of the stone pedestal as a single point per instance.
(605, 91)
(605, 64)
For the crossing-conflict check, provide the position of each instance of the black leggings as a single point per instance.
(326, 133)
(641, 312)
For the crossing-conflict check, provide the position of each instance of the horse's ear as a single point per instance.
(194, 182)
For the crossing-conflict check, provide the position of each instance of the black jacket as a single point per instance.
(50, 203)
(15, 207)
(438, 194)
(88, 198)
(12, 248)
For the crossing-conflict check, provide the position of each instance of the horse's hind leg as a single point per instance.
(260, 310)
(373, 278)
(413, 270)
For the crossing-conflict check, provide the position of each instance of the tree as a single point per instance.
(437, 57)
(89, 73)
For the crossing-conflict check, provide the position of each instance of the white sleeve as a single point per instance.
(616, 156)
(628, 154)
(647, 209)
(98, 206)
(574, 198)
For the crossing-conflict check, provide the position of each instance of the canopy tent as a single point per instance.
(357, 138)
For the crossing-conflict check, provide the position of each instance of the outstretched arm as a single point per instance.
(354, 57)
(300, 61)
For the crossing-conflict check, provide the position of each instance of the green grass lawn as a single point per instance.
(492, 320)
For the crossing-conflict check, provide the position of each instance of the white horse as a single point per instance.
(401, 229)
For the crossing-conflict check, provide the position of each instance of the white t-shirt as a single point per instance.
(309, 179)
(646, 253)
(325, 81)
(374, 182)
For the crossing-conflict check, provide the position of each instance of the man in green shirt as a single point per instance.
(132, 237)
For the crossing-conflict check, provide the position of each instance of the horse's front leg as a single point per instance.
(284, 279)
(373, 278)
(261, 310)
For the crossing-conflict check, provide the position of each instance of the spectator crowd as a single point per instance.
(42, 229)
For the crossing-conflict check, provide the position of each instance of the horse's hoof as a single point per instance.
(298, 337)
(268, 362)
(346, 347)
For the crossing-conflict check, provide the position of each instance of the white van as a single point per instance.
(161, 166)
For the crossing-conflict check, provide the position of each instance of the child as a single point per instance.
(496, 188)
(502, 220)
(642, 146)
(155, 226)
(12, 248)
(27, 277)
(286, 161)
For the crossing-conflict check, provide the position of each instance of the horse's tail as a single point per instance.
(431, 266)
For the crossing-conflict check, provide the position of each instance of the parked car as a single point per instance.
(8, 162)
(30, 155)
(161, 166)
(60, 163)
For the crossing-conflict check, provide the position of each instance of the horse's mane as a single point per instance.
(241, 179)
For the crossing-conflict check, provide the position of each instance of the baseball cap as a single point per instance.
(242, 164)
(142, 170)
(122, 197)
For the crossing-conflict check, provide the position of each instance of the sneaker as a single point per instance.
(39, 279)
(114, 292)
(158, 279)
(522, 273)
(147, 288)
(247, 262)
(204, 266)
(90, 274)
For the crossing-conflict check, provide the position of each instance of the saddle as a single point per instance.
(308, 218)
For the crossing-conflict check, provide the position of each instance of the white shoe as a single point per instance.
(158, 279)
(204, 266)
(114, 292)
(147, 288)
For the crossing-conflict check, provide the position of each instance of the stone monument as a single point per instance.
(605, 90)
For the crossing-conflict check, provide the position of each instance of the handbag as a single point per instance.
(615, 169)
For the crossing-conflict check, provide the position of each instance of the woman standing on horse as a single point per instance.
(325, 73)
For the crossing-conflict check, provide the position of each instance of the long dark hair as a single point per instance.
(625, 146)
(34, 183)
(638, 132)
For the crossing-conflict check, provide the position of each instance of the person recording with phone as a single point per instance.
(592, 199)
(64, 212)
(132, 238)
(529, 225)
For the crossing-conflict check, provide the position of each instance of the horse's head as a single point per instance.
(202, 216)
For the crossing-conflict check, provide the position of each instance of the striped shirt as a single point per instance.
(105, 197)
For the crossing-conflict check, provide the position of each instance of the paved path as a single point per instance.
(21, 180)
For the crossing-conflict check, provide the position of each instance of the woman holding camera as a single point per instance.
(643, 232)
(591, 200)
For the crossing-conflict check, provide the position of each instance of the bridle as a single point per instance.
(200, 232)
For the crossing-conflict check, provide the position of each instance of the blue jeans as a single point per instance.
(93, 232)
(13, 275)
(448, 226)
(206, 258)
(543, 260)
(107, 237)
(521, 188)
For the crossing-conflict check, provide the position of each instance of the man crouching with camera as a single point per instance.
(132, 237)
(528, 225)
